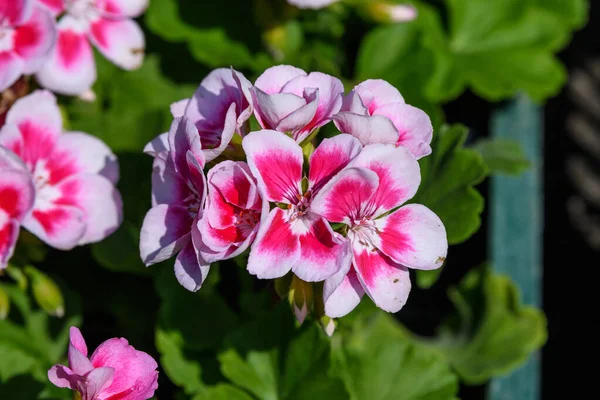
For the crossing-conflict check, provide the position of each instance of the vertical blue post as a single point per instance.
(516, 211)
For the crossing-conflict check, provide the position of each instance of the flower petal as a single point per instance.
(414, 237)
(8, 159)
(386, 282)
(33, 41)
(272, 108)
(100, 202)
(124, 8)
(71, 68)
(322, 252)
(17, 193)
(64, 377)
(78, 152)
(16, 11)
(76, 340)
(330, 157)
(135, 371)
(11, 68)
(234, 181)
(157, 145)
(369, 130)
(226, 135)
(343, 297)
(276, 161)
(344, 197)
(61, 226)
(178, 108)
(168, 186)
(376, 93)
(314, 4)
(399, 175)
(276, 248)
(274, 79)
(78, 361)
(413, 125)
(165, 230)
(121, 41)
(183, 137)
(190, 269)
(298, 120)
(9, 233)
(39, 124)
(97, 380)
(54, 6)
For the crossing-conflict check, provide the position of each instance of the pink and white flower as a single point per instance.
(287, 99)
(218, 109)
(375, 112)
(108, 25)
(295, 238)
(314, 4)
(74, 174)
(232, 212)
(17, 194)
(385, 240)
(115, 371)
(27, 35)
(178, 197)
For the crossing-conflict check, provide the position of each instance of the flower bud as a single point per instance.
(46, 293)
(301, 298)
(4, 304)
(389, 13)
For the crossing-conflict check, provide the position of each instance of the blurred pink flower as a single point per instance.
(293, 237)
(287, 99)
(74, 174)
(375, 112)
(384, 245)
(27, 35)
(108, 25)
(17, 194)
(115, 371)
(315, 4)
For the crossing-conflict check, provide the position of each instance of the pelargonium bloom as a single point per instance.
(74, 174)
(314, 4)
(384, 244)
(295, 238)
(115, 371)
(27, 35)
(107, 24)
(17, 194)
(375, 112)
(287, 99)
(218, 109)
(178, 196)
(232, 212)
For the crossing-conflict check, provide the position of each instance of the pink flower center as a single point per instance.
(300, 207)
(84, 9)
(246, 220)
(365, 232)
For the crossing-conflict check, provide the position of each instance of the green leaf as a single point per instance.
(223, 392)
(273, 361)
(503, 156)
(447, 184)
(182, 371)
(491, 333)
(378, 362)
(426, 279)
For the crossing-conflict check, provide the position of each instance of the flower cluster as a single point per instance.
(329, 210)
(59, 186)
(115, 371)
(60, 53)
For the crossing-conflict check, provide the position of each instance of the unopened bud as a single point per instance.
(284, 40)
(328, 324)
(301, 298)
(384, 12)
(46, 293)
(4, 304)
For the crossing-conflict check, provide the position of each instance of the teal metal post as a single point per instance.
(515, 241)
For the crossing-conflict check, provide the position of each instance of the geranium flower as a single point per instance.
(218, 109)
(74, 174)
(314, 4)
(384, 244)
(115, 371)
(107, 24)
(17, 194)
(178, 196)
(375, 112)
(287, 99)
(232, 212)
(295, 237)
(27, 35)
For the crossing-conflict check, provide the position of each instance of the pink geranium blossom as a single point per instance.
(178, 196)
(375, 112)
(295, 238)
(107, 24)
(17, 194)
(287, 99)
(74, 174)
(384, 245)
(27, 35)
(115, 371)
(314, 4)
(218, 109)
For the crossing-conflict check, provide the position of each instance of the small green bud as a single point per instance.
(46, 292)
(301, 298)
(386, 12)
(4, 304)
